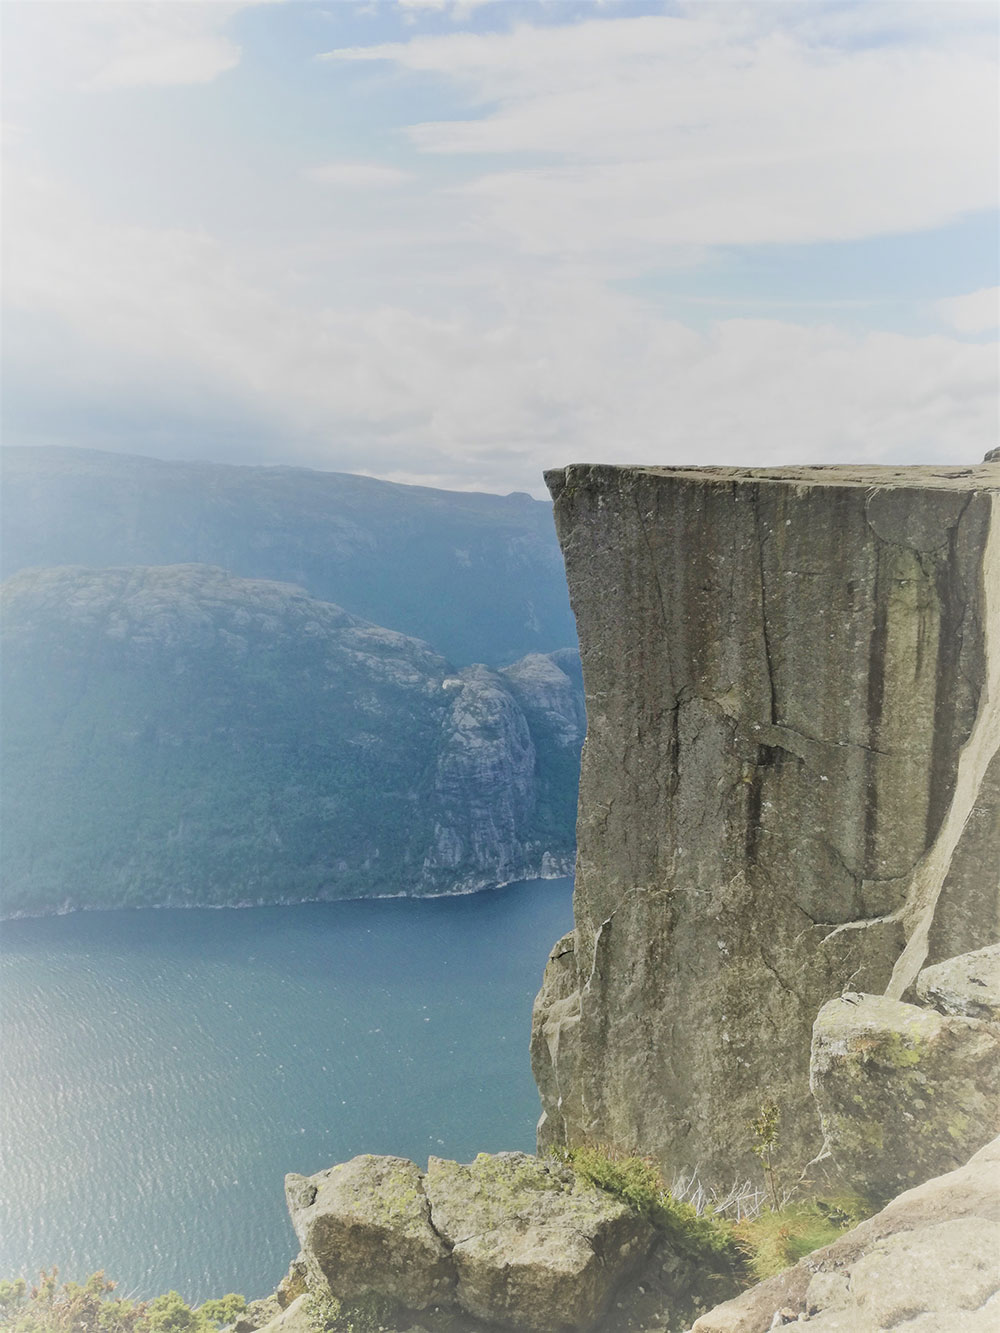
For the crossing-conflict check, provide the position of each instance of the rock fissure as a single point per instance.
(864, 923)
(764, 623)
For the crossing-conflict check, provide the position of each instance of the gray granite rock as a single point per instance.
(294, 1318)
(790, 784)
(365, 1227)
(536, 1248)
(928, 1263)
(903, 1093)
(511, 1240)
(968, 985)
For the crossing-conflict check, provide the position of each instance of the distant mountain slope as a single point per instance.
(178, 735)
(478, 576)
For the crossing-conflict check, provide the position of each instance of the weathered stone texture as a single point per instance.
(968, 985)
(904, 1093)
(521, 1243)
(783, 670)
(365, 1227)
(535, 1247)
(927, 1263)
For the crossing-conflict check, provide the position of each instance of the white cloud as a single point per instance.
(548, 372)
(977, 312)
(459, 9)
(718, 128)
(358, 175)
(94, 45)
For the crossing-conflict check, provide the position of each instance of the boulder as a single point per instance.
(927, 1263)
(535, 1247)
(968, 986)
(365, 1227)
(294, 1318)
(903, 1092)
(522, 1243)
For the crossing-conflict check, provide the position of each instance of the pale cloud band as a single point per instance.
(468, 296)
(978, 312)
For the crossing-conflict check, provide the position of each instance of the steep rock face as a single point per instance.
(179, 736)
(789, 783)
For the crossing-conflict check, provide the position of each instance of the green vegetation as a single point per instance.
(764, 1128)
(368, 1314)
(756, 1247)
(777, 1238)
(638, 1182)
(51, 1306)
(175, 736)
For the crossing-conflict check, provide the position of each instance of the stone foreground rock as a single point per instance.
(790, 785)
(968, 985)
(365, 1226)
(519, 1242)
(903, 1093)
(928, 1263)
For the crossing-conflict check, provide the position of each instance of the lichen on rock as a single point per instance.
(903, 1092)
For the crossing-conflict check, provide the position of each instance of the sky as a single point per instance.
(456, 242)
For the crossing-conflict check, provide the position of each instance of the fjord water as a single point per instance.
(162, 1070)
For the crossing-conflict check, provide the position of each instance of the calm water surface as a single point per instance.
(162, 1070)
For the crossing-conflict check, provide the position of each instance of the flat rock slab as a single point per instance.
(928, 1263)
(534, 1245)
(967, 986)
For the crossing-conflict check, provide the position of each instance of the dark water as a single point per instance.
(163, 1070)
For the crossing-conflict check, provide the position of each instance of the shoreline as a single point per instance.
(468, 890)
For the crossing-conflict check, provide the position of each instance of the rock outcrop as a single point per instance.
(508, 1239)
(968, 985)
(928, 1263)
(904, 1093)
(790, 784)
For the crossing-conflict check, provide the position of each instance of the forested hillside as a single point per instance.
(180, 735)
(478, 576)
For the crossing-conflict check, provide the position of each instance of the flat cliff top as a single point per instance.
(976, 477)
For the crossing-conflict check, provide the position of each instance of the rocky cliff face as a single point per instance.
(180, 736)
(790, 784)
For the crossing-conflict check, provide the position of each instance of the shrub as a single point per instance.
(777, 1238)
(638, 1182)
(51, 1306)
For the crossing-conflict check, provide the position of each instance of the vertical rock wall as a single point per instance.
(790, 772)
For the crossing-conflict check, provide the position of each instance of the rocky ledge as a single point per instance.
(790, 785)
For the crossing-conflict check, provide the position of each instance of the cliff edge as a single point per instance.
(790, 785)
